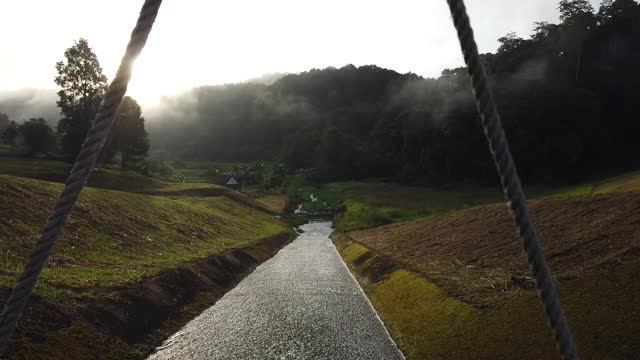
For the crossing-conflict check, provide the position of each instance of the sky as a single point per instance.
(206, 42)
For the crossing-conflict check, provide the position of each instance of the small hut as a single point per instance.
(232, 183)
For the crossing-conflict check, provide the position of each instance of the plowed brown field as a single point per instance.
(476, 255)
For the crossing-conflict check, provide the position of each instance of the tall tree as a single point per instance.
(543, 29)
(610, 9)
(83, 84)
(4, 121)
(573, 9)
(510, 42)
(128, 136)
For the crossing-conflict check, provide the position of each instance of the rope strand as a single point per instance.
(76, 180)
(511, 181)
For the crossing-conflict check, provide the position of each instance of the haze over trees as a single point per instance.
(82, 87)
(29, 103)
(34, 135)
(568, 96)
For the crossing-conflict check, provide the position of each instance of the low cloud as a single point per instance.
(30, 103)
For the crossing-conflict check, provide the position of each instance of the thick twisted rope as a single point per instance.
(511, 181)
(79, 173)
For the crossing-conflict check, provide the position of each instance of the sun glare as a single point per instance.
(151, 79)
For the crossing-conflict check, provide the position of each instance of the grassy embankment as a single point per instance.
(115, 237)
(456, 285)
(116, 241)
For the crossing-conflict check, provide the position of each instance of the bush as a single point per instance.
(163, 171)
(37, 135)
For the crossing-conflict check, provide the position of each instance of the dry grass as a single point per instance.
(427, 322)
(457, 285)
(627, 182)
(475, 253)
(274, 202)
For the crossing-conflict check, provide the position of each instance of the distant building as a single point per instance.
(232, 183)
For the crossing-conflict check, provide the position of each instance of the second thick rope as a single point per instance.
(511, 181)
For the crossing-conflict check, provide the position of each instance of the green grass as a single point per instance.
(359, 205)
(102, 177)
(193, 171)
(299, 190)
(367, 204)
(371, 204)
(209, 171)
(36, 168)
(113, 238)
(540, 192)
(125, 228)
(196, 179)
(625, 182)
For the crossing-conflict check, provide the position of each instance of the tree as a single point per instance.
(128, 136)
(10, 134)
(339, 157)
(38, 136)
(610, 9)
(83, 84)
(543, 30)
(573, 9)
(297, 150)
(4, 121)
(510, 42)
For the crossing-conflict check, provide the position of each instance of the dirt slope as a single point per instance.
(457, 286)
(476, 253)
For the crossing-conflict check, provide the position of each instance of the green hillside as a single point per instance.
(115, 237)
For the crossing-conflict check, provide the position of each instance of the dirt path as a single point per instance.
(301, 304)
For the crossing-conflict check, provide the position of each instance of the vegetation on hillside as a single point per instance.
(567, 96)
(114, 237)
(371, 203)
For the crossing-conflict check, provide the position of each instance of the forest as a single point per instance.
(568, 97)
